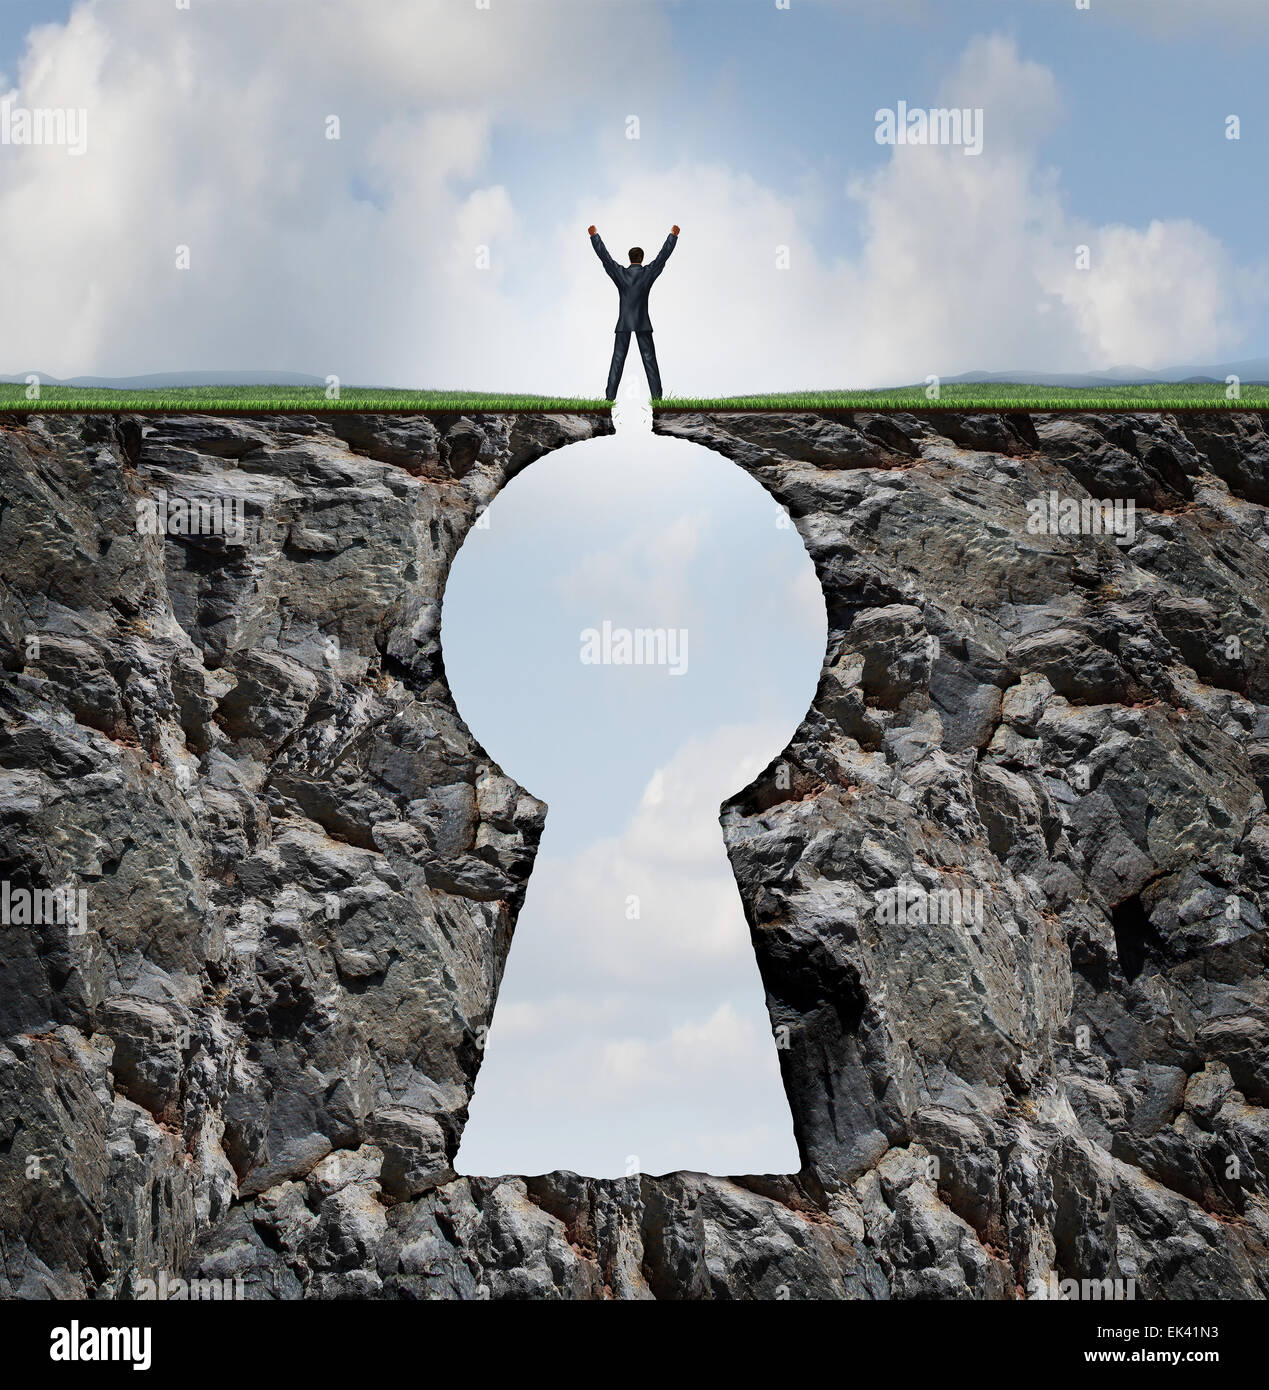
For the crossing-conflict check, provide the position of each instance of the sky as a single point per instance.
(631, 1024)
(505, 128)
(440, 242)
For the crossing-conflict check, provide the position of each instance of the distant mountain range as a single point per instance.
(1252, 372)
(161, 381)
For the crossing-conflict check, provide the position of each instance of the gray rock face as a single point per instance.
(1071, 1082)
(1005, 886)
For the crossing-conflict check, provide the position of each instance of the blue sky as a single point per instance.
(506, 129)
(643, 533)
(619, 1037)
(792, 94)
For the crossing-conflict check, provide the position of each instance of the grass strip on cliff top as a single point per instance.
(312, 399)
(994, 396)
(279, 399)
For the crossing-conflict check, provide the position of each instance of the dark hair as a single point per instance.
(636, 255)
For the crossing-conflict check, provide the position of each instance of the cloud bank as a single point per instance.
(409, 252)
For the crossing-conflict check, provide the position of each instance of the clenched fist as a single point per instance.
(674, 231)
(590, 231)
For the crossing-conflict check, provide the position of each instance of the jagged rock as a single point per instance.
(1073, 664)
(147, 1061)
(1096, 768)
(414, 1154)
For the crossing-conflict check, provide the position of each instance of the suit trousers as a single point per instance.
(646, 350)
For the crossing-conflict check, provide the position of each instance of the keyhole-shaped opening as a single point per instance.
(633, 633)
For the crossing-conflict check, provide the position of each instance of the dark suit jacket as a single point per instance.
(633, 283)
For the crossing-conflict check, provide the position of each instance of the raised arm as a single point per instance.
(602, 252)
(663, 255)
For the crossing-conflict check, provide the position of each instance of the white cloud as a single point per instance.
(646, 577)
(1170, 284)
(358, 257)
(671, 858)
(207, 132)
(965, 262)
(724, 1047)
(631, 959)
(970, 262)
(648, 1035)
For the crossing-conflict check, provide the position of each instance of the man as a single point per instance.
(633, 283)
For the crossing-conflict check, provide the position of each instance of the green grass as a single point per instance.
(312, 399)
(301, 399)
(995, 396)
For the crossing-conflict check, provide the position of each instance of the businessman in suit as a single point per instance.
(633, 282)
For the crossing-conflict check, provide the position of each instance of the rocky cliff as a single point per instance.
(1005, 886)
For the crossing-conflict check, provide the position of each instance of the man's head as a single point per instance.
(636, 255)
